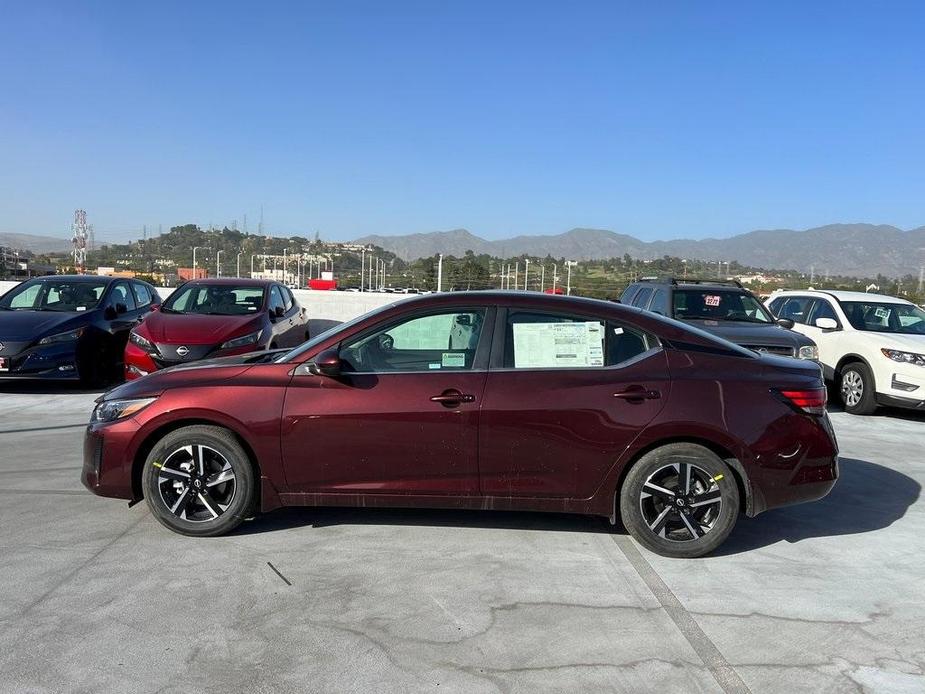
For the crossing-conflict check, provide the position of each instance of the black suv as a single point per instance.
(724, 308)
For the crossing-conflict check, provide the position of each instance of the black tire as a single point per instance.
(857, 389)
(220, 500)
(664, 521)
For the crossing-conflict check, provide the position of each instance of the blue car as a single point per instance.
(70, 327)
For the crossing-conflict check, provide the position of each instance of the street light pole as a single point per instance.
(554, 277)
(218, 264)
(252, 266)
(362, 266)
(568, 264)
(237, 270)
(195, 248)
(543, 277)
(285, 265)
(440, 273)
(526, 272)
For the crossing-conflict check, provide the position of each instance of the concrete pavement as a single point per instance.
(98, 597)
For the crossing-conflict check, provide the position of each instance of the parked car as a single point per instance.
(214, 318)
(724, 308)
(70, 327)
(544, 403)
(871, 346)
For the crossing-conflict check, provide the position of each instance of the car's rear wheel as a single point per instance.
(199, 481)
(857, 390)
(680, 500)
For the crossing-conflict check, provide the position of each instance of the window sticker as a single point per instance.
(881, 313)
(541, 345)
(433, 366)
(711, 300)
(453, 359)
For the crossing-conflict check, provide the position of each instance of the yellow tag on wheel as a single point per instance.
(718, 478)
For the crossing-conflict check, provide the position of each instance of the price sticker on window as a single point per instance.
(711, 300)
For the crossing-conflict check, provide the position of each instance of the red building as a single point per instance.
(188, 273)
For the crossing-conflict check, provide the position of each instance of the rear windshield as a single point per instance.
(215, 300)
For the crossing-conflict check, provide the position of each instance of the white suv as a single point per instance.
(870, 345)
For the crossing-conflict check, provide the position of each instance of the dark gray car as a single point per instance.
(724, 308)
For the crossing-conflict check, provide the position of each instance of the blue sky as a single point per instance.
(659, 120)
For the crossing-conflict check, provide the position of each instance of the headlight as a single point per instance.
(241, 341)
(69, 336)
(809, 352)
(111, 410)
(904, 357)
(137, 339)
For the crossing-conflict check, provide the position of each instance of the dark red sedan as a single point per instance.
(480, 401)
(215, 318)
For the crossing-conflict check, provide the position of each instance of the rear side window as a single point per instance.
(641, 300)
(121, 294)
(287, 298)
(554, 340)
(627, 296)
(660, 302)
(142, 293)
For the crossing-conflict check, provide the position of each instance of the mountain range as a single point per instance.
(36, 244)
(859, 250)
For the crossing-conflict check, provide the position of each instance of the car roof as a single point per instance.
(231, 282)
(843, 295)
(78, 278)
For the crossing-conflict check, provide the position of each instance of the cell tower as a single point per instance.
(82, 236)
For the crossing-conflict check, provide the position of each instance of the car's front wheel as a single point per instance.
(199, 481)
(856, 385)
(680, 500)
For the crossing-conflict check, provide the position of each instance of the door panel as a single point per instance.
(557, 433)
(382, 433)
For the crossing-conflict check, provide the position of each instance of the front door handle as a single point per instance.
(451, 398)
(638, 393)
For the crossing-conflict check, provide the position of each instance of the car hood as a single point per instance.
(196, 329)
(199, 373)
(752, 333)
(21, 326)
(906, 343)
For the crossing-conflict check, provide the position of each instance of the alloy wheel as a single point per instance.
(196, 483)
(852, 388)
(680, 502)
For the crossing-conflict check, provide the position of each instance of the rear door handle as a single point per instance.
(638, 393)
(450, 398)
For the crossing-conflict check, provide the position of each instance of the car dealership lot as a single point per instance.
(98, 597)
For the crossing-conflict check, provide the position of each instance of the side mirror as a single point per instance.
(326, 364)
(155, 307)
(785, 323)
(121, 308)
(277, 312)
(827, 323)
(110, 313)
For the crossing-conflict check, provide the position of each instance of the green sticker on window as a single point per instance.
(450, 359)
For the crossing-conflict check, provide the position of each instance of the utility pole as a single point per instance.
(568, 264)
(218, 264)
(440, 273)
(195, 248)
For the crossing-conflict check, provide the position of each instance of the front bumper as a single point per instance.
(903, 386)
(51, 362)
(107, 458)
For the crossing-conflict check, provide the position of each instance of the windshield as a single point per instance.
(879, 317)
(717, 304)
(215, 300)
(54, 295)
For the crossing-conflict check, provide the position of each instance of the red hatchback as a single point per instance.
(215, 318)
(482, 400)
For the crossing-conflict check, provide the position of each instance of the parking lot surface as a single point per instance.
(98, 597)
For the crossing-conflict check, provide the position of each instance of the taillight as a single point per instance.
(811, 400)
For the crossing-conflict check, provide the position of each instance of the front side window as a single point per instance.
(550, 340)
(823, 309)
(54, 295)
(276, 299)
(884, 317)
(795, 308)
(142, 294)
(660, 302)
(444, 341)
